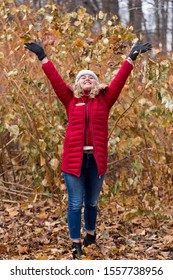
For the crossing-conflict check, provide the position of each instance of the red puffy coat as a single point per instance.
(78, 111)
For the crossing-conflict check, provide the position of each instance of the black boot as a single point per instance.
(77, 250)
(89, 239)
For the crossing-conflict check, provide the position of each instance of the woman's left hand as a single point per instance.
(138, 48)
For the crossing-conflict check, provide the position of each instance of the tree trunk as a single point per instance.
(164, 13)
(135, 15)
(157, 22)
(111, 7)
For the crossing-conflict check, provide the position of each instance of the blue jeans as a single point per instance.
(85, 188)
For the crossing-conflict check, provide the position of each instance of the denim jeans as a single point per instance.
(85, 188)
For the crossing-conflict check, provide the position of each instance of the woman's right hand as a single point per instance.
(37, 49)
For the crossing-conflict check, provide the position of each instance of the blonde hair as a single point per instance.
(93, 92)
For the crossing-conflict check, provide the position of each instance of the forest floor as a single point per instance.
(38, 231)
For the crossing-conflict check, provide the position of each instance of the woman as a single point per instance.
(84, 157)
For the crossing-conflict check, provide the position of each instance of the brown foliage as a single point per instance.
(136, 201)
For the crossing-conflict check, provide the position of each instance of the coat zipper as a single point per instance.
(86, 125)
(95, 152)
(83, 135)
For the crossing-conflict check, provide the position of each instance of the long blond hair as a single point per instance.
(93, 92)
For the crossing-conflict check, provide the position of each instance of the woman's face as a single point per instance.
(87, 82)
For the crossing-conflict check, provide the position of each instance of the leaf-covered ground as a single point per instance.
(38, 231)
(139, 225)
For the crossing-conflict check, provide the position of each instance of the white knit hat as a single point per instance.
(86, 72)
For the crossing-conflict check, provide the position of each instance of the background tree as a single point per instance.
(135, 15)
(136, 200)
(152, 18)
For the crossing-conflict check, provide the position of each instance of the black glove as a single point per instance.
(139, 49)
(37, 49)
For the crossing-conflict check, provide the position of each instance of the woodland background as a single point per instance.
(135, 208)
